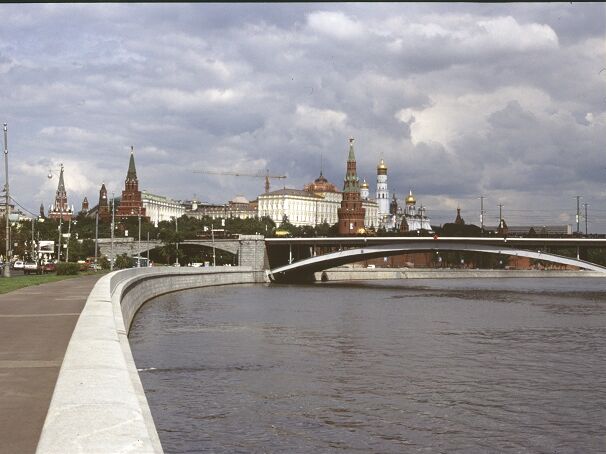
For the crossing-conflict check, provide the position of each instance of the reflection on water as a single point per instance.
(509, 365)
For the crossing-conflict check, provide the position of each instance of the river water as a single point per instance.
(468, 366)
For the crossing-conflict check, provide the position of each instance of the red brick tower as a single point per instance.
(351, 213)
(60, 210)
(103, 206)
(131, 204)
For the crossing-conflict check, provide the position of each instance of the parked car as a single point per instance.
(18, 265)
(31, 267)
(49, 267)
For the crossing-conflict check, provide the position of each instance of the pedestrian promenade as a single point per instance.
(36, 324)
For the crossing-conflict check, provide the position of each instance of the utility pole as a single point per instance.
(7, 211)
(500, 205)
(111, 262)
(33, 244)
(482, 213)
(585, 205)
(578, 214)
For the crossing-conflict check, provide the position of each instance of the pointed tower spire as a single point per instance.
(352, 155)
(132, 171)
(61, 186)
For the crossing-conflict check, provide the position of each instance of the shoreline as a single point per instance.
(356, 274)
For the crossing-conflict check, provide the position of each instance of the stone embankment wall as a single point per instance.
(99, 405)
(353, 274)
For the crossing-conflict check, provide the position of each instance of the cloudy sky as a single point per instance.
(505, 101)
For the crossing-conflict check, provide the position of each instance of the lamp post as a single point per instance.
(212, 235)
(177, 241)
(96, 237)
(139, 246)
(7, 211)
(59, 246)
(111, 262)
(69, 237)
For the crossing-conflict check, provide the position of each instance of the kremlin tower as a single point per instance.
(60, 210)
(131, 204)
(351, 214)
(103, 206)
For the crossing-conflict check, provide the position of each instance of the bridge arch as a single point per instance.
(304, 269)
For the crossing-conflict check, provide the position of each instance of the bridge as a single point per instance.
(297, 259)
(249, 249)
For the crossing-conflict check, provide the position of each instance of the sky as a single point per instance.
(505, 101)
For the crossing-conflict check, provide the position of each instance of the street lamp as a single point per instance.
(7, 211)
(111, 263)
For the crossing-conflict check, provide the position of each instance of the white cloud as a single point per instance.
(450, 118)
(320, 119)
(335, 24)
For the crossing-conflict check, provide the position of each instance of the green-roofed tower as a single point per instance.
(351, 214)
(131, 203)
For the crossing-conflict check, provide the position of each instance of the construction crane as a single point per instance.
(267, 176)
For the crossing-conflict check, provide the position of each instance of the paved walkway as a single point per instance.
(36, 324)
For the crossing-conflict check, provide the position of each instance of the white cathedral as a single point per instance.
(391, 216)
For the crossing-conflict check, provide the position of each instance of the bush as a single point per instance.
(67, 268)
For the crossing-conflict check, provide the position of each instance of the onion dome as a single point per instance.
(410, 200)
(364, 185)
(381, 168)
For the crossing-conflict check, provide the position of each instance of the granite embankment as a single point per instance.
(98, 404)
(355, 274)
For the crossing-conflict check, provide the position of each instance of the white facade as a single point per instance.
(307, 208)
(382, 194)
(159, 208)
(364, 191)
(415, 218)
(300, 207)
(371, 216)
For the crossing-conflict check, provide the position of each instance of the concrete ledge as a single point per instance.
(353, 274)
(98, 405)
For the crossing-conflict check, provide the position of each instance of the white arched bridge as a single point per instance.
(303, 261)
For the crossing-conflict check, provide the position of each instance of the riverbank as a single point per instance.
(98, 404)
(354, 274)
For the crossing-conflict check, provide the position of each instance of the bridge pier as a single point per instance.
(252, 252)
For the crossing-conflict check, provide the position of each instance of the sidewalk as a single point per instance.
(36, 324)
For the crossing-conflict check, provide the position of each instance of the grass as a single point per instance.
(17, 282)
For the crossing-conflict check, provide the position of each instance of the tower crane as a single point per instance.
(267, 176)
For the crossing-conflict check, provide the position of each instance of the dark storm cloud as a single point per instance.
(460, 99)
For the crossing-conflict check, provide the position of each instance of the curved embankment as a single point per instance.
(98, 405)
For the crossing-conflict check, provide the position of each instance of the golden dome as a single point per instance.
(410, 200)
(364, 185)
(382, 168)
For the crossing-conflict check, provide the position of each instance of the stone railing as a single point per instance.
(98, 405)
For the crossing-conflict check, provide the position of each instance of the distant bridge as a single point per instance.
(296, 259)
(249, 249)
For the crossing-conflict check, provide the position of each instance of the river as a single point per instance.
(454, 366)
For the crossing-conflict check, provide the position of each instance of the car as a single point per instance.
(18, 265)
(49, 267)
(31, 267)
